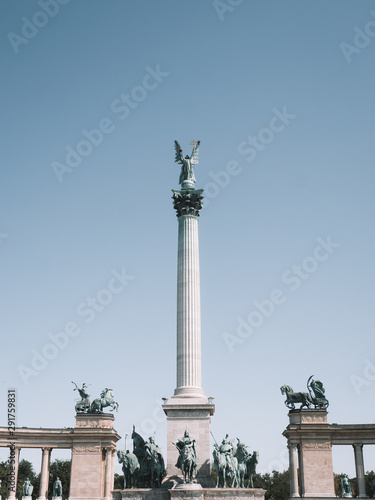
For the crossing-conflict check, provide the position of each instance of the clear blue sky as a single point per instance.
(284, 112)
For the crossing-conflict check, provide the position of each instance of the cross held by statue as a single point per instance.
(193, 143)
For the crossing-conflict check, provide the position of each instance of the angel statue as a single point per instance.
(187, 179)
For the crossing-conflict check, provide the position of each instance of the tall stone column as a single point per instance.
(44, 474)
(189, 408)
(360, 470)
(189, 383)
(293, 470)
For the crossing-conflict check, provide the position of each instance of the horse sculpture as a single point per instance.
(220, 465)
(296, 397)
(242, 456)
(251, 468)
(130, 468)
(155, 463)
(188, 465)
(226, 469)
(232, 472)
(106, 399)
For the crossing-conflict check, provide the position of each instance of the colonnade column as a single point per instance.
(360, 470)
(14, 461)
(108, 478)
(293, 470)
(44, 474)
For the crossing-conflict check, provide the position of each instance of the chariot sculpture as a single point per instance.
(105, 400)
(315, 397)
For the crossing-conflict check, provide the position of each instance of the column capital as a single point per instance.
(187, 201)
(292, 445)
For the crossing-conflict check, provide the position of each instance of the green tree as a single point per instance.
(276, 484)
(26, 470)
(4, 466)
(61, 469)
(119, 482)
(369, 478)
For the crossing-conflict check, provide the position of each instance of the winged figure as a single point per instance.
(187, 178)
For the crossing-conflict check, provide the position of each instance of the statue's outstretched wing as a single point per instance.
(194, 155)
(179, 156)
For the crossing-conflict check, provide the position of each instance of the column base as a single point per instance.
(189, 392)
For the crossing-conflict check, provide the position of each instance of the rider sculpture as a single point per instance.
(144, 468)
(226, 464)
(187, 460)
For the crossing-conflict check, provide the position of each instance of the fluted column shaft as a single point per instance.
(108, 482)
(360, 470)
(44, 475)
(188, 308)
(189, 383)
(293, 470)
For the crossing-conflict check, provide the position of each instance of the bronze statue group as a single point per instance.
(233, 465)
(144, 467)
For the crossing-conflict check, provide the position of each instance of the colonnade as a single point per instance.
(44, 472)
(295, 463)
(310, 440)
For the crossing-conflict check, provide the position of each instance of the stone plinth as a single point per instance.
(196, 417)
(309, 434)
(93, 453)
(141, 494)
(190, 494)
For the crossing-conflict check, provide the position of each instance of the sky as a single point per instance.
(281, 96)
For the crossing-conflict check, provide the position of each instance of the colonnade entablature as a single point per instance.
(310, 440)
(93, 444)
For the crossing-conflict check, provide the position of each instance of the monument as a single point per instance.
(310, 440)
(188, 408)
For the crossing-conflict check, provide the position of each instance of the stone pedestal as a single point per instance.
(196, 417)
(191, 494)
(310, 434)
(94, 444)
